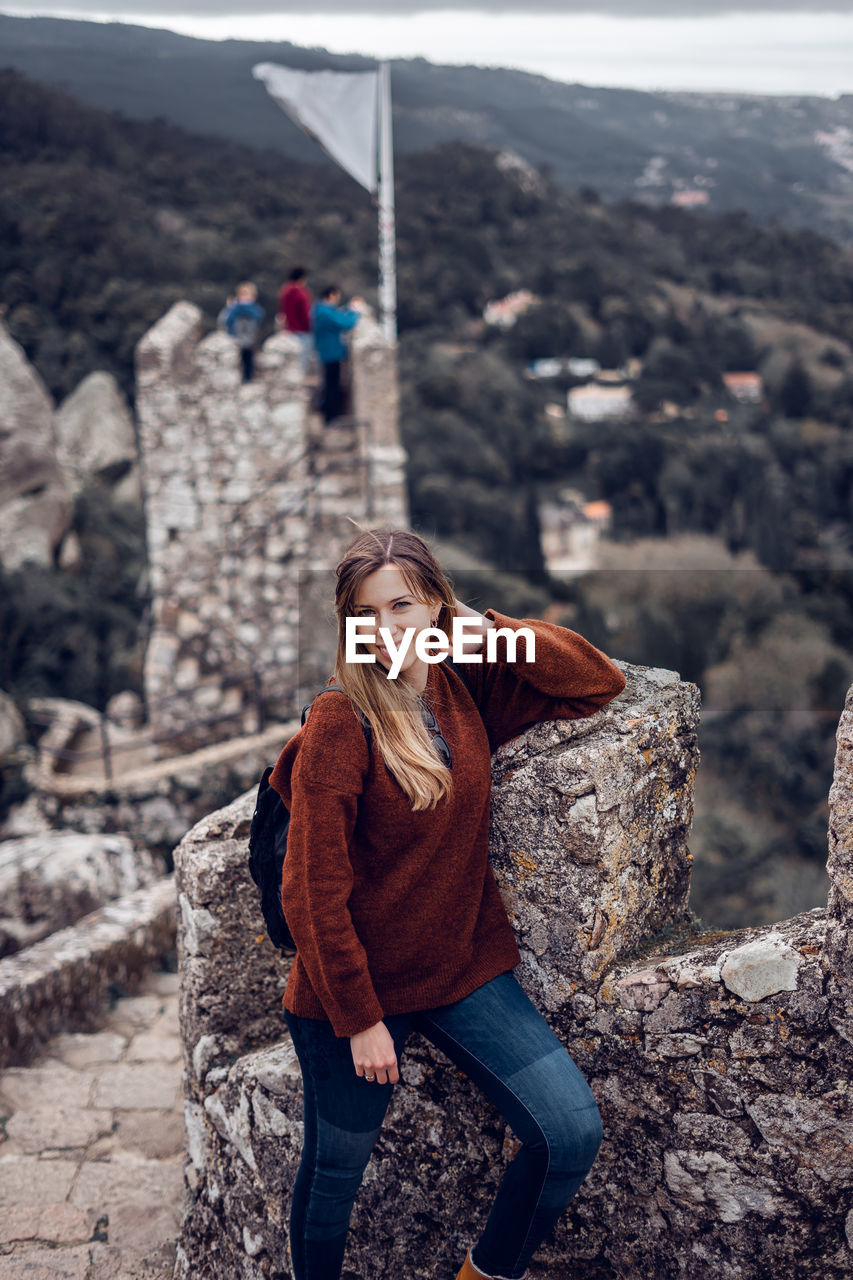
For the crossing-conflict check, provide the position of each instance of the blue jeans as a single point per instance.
(501, 1041)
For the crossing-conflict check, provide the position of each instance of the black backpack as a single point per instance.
(268, 843)
(268, 846)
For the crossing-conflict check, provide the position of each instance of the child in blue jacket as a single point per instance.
(241, 318)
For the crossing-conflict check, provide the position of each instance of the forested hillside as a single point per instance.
(104, 223)
(779, 157)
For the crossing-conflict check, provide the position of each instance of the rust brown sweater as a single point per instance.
(394, 911)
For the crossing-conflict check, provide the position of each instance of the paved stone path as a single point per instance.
(91, 1149)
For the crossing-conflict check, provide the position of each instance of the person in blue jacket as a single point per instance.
(241, 318)
(330, 322)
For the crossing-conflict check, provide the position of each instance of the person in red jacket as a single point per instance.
(294, 313)
(396, 914)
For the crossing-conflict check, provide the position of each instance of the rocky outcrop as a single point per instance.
(35, 507)
(49, 880)
(15, 754)
(721, 1070)
(47, 457)
(96, 439)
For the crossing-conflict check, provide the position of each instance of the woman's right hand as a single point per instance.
(374, 1056)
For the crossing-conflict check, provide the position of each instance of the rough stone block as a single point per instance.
(78, 1050)
(61, 1223)
(253, 1107)
(761, 968)
(27, 1089)
(599, 860)
(155, 1135)
(129, 1180)
(166, 351)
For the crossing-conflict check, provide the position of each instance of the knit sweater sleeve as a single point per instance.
(320, 776)
(567, 679)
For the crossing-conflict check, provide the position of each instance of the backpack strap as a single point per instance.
(329, 688)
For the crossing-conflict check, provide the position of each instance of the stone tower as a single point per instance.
(249, 502)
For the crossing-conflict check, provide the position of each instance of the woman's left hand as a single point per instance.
(374, 1056)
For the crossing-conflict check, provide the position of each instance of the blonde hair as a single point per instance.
(392, 707)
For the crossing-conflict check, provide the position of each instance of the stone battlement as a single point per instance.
(249, 502)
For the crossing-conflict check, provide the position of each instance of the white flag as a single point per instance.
(337, 108)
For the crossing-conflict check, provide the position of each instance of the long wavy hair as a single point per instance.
(392, 707)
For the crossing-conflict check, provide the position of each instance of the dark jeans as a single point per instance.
(505, 1046)
(333, 394)
(247, 359)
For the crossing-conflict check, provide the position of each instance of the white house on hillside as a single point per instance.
(594, 403)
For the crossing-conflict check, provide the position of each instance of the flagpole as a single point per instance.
(387, 225)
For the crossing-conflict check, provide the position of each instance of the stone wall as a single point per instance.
(156, 804)
(248, 505)
(721, 1068)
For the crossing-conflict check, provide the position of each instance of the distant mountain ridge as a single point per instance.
(783, 158)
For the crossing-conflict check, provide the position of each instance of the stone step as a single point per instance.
(65, 981)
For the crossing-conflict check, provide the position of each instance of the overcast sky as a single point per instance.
(758, 46)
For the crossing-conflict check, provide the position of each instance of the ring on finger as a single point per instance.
(370, 1078)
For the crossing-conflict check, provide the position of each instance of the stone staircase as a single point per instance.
(91, 1148)
(91, 1123)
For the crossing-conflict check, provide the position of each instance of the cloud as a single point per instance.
(634, 9)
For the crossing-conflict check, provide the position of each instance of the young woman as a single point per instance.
(397, 917)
